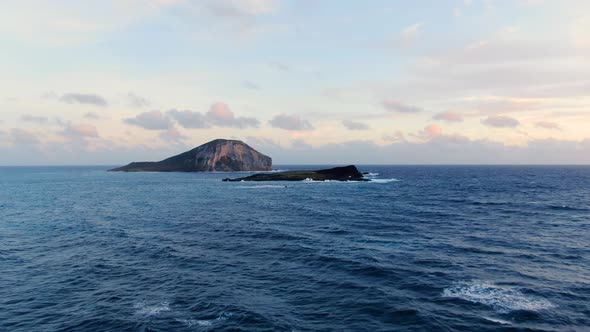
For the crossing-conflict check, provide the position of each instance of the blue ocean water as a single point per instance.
(422, 248)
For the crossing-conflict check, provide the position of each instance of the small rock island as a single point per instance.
(346, 173)
(219, 155)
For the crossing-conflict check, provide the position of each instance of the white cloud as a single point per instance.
(35, 119)
(353, 125)
(396, 106)
(290, 122)
(189, 119)
(408, 34)
(92, 116)
(240, 8)
(137, 101)
(154, 120)
(500, 121)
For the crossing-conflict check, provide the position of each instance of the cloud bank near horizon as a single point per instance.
(465, 82)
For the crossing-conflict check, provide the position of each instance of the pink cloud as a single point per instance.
(429, 133)
(220, 115)
(547, 125)
(432, 131)
(448, 116)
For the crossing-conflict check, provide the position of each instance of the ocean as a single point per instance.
(421, 248)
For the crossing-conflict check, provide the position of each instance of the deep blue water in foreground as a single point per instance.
(443, 248)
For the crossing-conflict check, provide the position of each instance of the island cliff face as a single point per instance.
(218, 155)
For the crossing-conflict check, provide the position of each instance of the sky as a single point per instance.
(303, 81)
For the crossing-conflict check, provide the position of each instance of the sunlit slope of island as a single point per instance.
(346, 173)
(218, 155)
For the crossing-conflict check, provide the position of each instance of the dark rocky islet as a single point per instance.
(345, 173)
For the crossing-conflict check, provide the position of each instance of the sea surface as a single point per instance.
(421, 248)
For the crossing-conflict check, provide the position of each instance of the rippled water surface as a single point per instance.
(422, 248)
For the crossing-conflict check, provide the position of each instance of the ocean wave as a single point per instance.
(263, 186)
(310, 180)
(497, 320)
(369, 174)
(204, 322)
(383, 180)
(566, 208)
(502, 299)
(372, 180)
(143, 309)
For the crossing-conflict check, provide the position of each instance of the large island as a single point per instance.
(219, 155)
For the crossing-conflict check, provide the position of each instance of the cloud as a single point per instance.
(290, 122)
(91, 115)
(408, 34)
(500, 121)
(35, 119)
(443, 149)
(240, 9)
(496, 105)
(261, 142)
(279, 66)
(300, 144)
(532, 68)
(251, 85)
(83, 98)
(398, 136)
(189, 119)
(172, 135)
(448, 117)
(137, 101)
(352, 125)
(219, 114)
(430, 132)
(154, 120)
(547, 125)
(396, 106)
(23, 137)
(79, 131)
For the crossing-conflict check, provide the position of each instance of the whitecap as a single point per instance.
(309, 180)
(501, 298)
(497, 320)
(204, 322)
(369, 174)
(195, 322)
(263, 186)
(143, 309)
(384, 180)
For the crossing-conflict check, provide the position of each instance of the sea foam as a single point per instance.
(205, 322)
(143, 309)
(502, 299)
